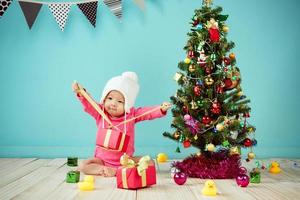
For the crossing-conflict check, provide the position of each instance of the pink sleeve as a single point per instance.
(152, 115)
(87, 107)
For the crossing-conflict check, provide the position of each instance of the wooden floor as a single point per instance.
(31, 178)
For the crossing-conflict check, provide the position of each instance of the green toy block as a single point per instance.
(72, 161)
(73, 177)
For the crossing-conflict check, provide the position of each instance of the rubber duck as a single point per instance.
(162, 157)
(87, 184)
(210, 188)
(275, 168)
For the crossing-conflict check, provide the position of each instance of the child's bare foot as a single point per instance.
(109, 171)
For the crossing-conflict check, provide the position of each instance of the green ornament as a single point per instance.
(254, 177)
(234, 78)
(177, 150)
(213, 57)
(73, 177)
(226, 143)
(242, 124)
(222, 17)
(181, 139)
(200, 103)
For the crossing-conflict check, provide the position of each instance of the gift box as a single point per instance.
(255, 176)
(134, 176)
(112, 139)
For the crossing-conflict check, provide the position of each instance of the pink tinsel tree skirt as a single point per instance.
(213, 165)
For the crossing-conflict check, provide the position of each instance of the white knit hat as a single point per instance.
(127, 84)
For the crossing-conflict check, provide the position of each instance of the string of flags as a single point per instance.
(60, 10)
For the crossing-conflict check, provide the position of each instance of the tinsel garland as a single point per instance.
(212, 165)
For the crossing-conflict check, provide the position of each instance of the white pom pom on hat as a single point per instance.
(127, 84)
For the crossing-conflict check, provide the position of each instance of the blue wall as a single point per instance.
(39, 115)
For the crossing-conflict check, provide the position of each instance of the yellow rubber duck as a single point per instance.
(162, 157)
(89, 178)
(275, 168)
(87, 184)
(210, 188)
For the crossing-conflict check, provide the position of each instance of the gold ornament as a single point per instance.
(210, 147)
(196, 137)
(220, 127)
(240, 93)
(225, 29)
(251, 155)
(176, 135)
(209, 81)
(194, 105)
(177, 76)
(232, 56)
(187, 61)
(234, 151)
(192, 68)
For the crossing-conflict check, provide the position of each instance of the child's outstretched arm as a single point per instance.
(152, 112)
(86, 105)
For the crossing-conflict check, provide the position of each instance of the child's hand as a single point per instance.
(165, 106)
(75, 87)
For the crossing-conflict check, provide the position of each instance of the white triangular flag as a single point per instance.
(60, 11)
(115, 7)
(140, 4)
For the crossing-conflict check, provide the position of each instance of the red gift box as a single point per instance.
(129, 178)
(112, 139)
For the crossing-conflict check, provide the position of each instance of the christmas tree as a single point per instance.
(210, 110)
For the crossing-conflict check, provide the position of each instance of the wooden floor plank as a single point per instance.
(20, 172)
(11, 167)
(47, 185)
(27, 180)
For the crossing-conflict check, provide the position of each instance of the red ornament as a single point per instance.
(180, 178)
(246, 115)
(206, 120)
(220, 89)
(227, 82)
(208, 70)
(216, 108)
(201, 62)
(197, 90)
(191, 54)
(227, 61)
(247, 142)
(214, 34)
(186, 144)
(185, 109)
(242, 180)
(196, 22)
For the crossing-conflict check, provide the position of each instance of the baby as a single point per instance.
(117, 103)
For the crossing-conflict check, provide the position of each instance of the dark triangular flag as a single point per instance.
(30, 11)
(115, 6)
(89, 10)
(3, 6)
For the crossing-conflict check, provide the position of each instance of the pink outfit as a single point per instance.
(112, 158)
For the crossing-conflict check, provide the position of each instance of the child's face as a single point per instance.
(114, 103)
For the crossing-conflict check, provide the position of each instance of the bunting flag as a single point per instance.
(115, 6)
(60, 11)
(140, 4)
(3, 6)
(89, 10)
(30, 11)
